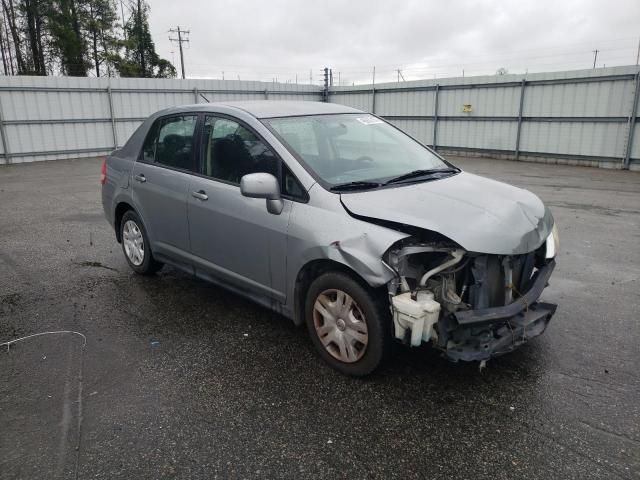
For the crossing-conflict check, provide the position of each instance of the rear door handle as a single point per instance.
(200, 195)
(140, 178)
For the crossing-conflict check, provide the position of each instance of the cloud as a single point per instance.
(260, 40)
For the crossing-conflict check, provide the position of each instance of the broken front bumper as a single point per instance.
(476, 335)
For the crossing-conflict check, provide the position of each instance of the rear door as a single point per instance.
(234, 238)
(161, 179)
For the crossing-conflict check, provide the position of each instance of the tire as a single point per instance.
(135, 245)
(340, 341)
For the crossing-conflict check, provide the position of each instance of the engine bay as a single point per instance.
(471, 306)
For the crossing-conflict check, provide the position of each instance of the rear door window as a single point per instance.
(170, 142)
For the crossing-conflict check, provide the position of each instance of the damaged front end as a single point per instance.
(471, 306)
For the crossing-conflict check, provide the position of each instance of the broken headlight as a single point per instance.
(553, 242)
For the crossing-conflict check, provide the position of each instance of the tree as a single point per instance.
(67, 39)
(13, 29)
(33, 20)
(140, 58)
(74, 37)
(100, 19)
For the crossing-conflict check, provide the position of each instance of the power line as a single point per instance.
(180, 41)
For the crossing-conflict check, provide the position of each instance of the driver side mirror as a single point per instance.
(263, 185)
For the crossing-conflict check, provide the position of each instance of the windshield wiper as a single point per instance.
(421, 173)
(357, 185)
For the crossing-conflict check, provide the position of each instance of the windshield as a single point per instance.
(353, 148)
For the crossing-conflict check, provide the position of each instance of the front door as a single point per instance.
(233, 238)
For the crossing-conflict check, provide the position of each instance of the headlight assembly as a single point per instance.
(553, 242)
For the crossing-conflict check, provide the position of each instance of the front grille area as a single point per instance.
(497, 280)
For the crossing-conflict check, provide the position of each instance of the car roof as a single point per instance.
(269, 108)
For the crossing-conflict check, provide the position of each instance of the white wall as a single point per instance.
(584, 114)
(581, 115)
(46, 118)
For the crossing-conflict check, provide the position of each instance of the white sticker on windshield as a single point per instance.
(369, 120)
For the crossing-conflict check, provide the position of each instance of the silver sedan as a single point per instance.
(338, 220)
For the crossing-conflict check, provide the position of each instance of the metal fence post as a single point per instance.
(435, 117)
(114, 130)
(519, 129)
(5, 139)
(266, 94)
(195, 95)
(373, 100)
(632, 124)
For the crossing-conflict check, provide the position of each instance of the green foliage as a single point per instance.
(78, 37)
(67, 39)
(140, 58)
(100, 21)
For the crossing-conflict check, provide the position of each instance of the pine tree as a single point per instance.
(100, 19)
(67, 39)
(140, 58)
(14, 36)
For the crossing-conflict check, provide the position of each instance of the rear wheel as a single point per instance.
(347, 323)
(135, 245)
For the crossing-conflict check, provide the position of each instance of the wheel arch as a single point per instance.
(121, 209)
(312, 270)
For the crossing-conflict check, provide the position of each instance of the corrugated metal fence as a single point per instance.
(47, 118)
(579, 117)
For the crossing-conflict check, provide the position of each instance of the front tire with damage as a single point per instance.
(348, 323)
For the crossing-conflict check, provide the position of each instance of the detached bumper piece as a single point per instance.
(476, 335)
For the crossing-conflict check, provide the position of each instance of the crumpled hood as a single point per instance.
(479, 214)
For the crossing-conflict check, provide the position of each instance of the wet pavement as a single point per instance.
(180, 379)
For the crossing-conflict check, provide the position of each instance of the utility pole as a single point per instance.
(181, 39)
(325, 93)
(595, 57)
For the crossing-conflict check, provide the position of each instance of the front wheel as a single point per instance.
(135, 245)
(347, 323)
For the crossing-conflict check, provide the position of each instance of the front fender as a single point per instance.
(328, 232)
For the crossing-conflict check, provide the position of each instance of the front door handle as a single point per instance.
(200, 195)
(140, 178)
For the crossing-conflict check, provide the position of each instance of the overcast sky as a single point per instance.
(267, 39)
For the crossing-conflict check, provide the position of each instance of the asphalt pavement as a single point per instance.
(181, 379)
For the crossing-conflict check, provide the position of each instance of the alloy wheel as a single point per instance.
(133, 242)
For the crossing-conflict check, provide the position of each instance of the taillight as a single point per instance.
(103, 171)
